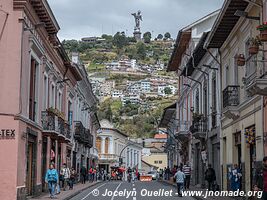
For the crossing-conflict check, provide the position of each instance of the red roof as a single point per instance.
(160, 136)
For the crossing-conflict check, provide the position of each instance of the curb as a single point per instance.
(77, 192)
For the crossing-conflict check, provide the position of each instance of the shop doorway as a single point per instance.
(31, 165)
(44, 163)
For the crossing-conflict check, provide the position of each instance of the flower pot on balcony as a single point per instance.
(240, 60)
(254, 49)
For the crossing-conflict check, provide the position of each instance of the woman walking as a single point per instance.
(51, 178)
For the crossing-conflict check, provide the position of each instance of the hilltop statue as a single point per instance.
(138, 18)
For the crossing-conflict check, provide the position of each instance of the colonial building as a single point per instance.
(37, 111)
(196, 124)
(115, 148)
(242, 83)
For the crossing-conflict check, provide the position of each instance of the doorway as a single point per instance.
(31, 165)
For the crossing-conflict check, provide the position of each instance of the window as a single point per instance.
(205, 98)
(227, 76)
(59, 101)
(52, 96)
(160, 161)
(33, 90)
(214, 101)
(45, 99)
(197, 101)
(156, 162)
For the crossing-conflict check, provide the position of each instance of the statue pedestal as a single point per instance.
(137, 35)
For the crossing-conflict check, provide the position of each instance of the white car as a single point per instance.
(154, 174)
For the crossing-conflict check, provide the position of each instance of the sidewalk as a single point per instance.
(68, 194)
(196, 188)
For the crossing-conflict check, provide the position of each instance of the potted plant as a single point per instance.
(240, 60)
(263, 31)
(254, 44)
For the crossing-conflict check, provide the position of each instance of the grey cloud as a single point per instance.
(81, 18)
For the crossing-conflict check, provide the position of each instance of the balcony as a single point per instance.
(256, 81)
(79, 131)
(199, 127)
(183, 131)
(108, 157)
(88, 139)
(52, 123)
(231, 100)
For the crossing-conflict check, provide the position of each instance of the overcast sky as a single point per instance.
(81, 18)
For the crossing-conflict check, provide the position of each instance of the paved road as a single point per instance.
(133, 191)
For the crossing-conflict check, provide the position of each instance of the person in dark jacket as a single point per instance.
(210, 176)
(261, 179)
(83, 174)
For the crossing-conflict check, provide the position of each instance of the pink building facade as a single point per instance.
(38, 85)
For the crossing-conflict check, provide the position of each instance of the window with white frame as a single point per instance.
(59, 101)
(52, 96)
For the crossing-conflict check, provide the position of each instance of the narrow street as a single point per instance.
(138, 191)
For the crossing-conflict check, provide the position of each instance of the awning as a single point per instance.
(168, 114)
(225, 22)
(198, 54)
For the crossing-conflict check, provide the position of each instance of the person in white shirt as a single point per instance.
(180, 178)
(65, 173)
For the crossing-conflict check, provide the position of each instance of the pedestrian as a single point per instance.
(72, 177)
(83, 174)
(261, 180)
(65, 173)
(235, 177)
(91, 174)
(210, 177)
(51, 178)
(187, 172)
(180, 179)
(168, 172)
(94, 175)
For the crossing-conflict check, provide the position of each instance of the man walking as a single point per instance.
(187, 172)
(180, 178)
(65, 173)
(210, 176)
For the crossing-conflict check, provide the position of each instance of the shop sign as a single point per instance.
(6, 134)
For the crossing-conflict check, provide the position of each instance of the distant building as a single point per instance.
(93, 39)
(132, 98)
(113, 144)
(145, 86)
(157, 158)
(117, 94)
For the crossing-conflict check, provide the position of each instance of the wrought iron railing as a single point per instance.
(231, 96)
(67, 131)
(49, 121)
(199, 125)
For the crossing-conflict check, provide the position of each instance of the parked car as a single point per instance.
(154, 174)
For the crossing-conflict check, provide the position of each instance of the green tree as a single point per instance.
(167, 35)
(167, 90)
(120, 40)
(141, 50)
(147, 37)
(160, 36)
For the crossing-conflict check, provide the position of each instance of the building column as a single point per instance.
(103, 139)
(56, 155)
(48, 152)
(110, 147)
